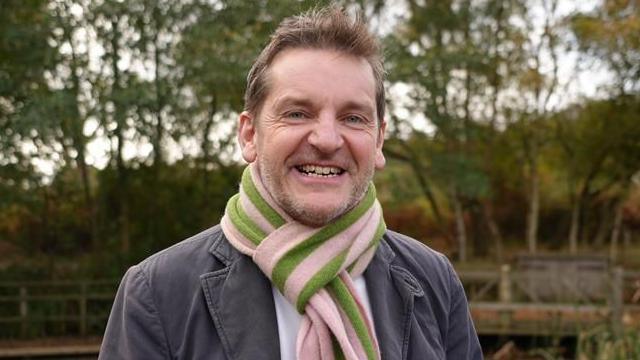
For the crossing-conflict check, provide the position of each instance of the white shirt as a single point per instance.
(289, 319)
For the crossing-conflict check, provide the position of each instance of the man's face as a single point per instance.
(316, 138)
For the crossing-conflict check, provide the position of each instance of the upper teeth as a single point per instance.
(320, 170)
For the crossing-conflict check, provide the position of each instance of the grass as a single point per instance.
(601, 343)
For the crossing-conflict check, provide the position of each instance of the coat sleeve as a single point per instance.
(462, 340)
(134, 330)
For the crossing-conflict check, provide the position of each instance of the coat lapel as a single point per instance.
(391, 291)
(240, 302)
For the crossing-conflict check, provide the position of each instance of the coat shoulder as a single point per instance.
(422, 260)
(187, 259)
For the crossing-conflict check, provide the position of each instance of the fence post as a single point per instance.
(505, 292)
(505, 295)
(24, 311)
(83, 308)
(617, 301)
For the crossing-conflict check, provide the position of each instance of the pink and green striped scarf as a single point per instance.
(312, 267)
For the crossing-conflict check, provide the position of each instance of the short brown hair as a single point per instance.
(327, 28)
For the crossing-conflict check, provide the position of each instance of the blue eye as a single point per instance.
(354, 119)
(296, 115)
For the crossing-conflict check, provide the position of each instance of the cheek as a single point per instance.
(361, 149)
(275, 146)
(284, 139)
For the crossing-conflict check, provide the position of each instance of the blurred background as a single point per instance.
(513, 146)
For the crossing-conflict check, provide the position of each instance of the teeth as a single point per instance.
(320, 170)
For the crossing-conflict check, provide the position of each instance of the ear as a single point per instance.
(380, 160)
(247, 136)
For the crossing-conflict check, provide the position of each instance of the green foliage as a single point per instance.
(612, 33)
(24, 51)
(156, 85)
(165, 223)
(602, 344)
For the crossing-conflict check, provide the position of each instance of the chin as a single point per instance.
(315, 216)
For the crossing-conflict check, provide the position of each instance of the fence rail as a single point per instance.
(500, 301)
(503, 301)
(54, 308)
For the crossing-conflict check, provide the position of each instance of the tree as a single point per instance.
(611, 33)
(599, 141)
(457, 57)
(536, 90)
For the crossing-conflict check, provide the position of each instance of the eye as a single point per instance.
(296, 115)
(355, 119)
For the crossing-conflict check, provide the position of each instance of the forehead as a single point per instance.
(320, 75)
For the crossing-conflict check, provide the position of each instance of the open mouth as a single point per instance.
(321, 171)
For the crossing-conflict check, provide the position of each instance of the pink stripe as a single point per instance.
(319, 330)
(363, 239)
(355, 236)
(346, 279)
(235, 237)
(309, 342)
(254, 214)
(303, 333)
(278, 243)
(257, 180)
(327, 308)
(362, 262)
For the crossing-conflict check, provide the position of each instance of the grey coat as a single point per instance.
(202, 299)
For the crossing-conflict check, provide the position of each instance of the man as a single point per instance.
(301, 266)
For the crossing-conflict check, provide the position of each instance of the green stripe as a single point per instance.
(348, 304)
(320, 279)
(294, 257)
(242, 222)
(261, 204)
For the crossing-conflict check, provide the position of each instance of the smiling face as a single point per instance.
(317, 139)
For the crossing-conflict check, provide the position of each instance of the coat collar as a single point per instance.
(240, 302)
(392, 289)
(241, 305)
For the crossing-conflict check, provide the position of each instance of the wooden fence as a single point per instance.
(55, 308)
(502, 302)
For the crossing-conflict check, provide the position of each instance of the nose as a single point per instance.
(325, 135)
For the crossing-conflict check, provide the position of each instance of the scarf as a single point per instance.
(312, 267)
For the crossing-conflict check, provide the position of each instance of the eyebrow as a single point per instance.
(292, 100)
(364, 106)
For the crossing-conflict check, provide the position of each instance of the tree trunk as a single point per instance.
(205, 143)
(626, 237)
(461, 233)
(478, 235)
(158, 155)
(495, 82)
(75, 129)
(615, 232)
(575, 226)
(123, 216)
(494, 230)
(533, 210)
(604, 224)
(411, 158)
